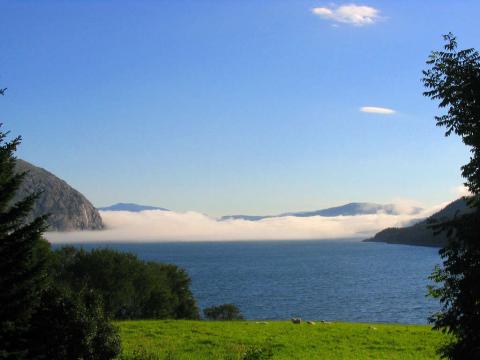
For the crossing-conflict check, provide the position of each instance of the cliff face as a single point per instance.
(69, 209)
(420, 233)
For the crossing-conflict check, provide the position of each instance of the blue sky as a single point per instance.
(232, 106)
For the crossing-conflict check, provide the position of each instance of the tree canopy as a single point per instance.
(131, 288)
(453, 78)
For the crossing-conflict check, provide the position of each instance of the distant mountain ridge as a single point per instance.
(420, 233)
(130, 207)
(69, 210)
(350, 209)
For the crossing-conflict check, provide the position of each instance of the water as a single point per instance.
(332, 280)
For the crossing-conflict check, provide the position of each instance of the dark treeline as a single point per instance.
(130, 288)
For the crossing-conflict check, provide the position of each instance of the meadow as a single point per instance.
(249, 340)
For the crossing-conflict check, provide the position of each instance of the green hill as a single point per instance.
(420, 233)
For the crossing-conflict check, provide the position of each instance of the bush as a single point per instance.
(223, 312)
(72, 326)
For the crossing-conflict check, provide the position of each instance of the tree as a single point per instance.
(223, 312)
(38, 320)
(131, 288)
(23, 255)
(453, 78)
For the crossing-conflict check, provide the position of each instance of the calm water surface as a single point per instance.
(332, 280)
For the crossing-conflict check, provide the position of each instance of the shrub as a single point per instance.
(223, 312)
(72, 326)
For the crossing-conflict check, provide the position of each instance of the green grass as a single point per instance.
(178, 339)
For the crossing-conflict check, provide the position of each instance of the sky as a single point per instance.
(233, 107)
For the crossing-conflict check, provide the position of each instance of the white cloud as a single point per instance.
(408, 206)
(377, 110)
(461, 191)
(156, 226)
(357, 15)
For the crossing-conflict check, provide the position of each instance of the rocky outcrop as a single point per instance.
(69, 209)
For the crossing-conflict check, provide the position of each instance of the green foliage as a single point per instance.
(460, 290)
(37, 320)
(22, 256)
(131, 288)
(235, 340)
(72, 326)
(454, 79)
(223, 312)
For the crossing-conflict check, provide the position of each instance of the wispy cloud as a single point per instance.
(357, 15)
(377, 110)
(157, 226)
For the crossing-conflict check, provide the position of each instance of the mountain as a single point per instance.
(420, 233)
(130, 207)
(68, 208)
(351, 209)
(245, 217)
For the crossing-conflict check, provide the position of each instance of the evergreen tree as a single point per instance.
(22, 256)
(453, 78)
(39, 319)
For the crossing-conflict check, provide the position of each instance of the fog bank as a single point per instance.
(160, 226)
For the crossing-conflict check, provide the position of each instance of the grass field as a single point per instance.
(249, 340)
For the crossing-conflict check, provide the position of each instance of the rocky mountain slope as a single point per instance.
(420, 233)
(69, 209)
